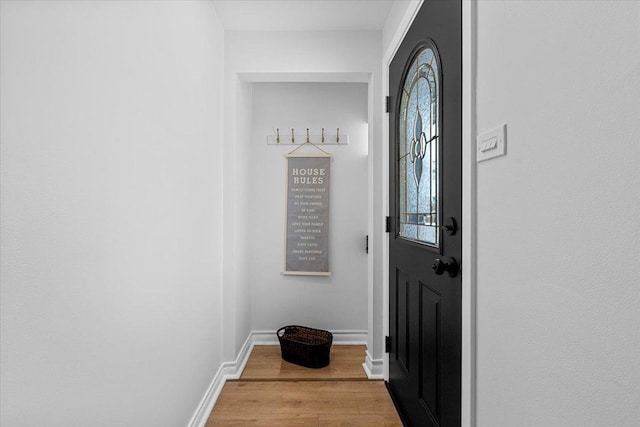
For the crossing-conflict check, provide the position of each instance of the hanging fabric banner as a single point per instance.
(307, 238)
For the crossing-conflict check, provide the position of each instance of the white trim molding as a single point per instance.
(233, 370)
(227, 371)
(374, 368)
(469, 213)
(339, 337)
(199, 418)
(394, 45)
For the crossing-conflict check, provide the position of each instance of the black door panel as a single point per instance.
(425, 307)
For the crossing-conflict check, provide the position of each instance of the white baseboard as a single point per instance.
(199, 418)
(264, 338)
(233, 370)
(339, 337)
(373, 367)
(349, 337)
(227, 371)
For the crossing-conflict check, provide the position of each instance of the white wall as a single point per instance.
(241, 188)
(558, 232)
(395, 26)
(111, 219)
(337, 302)
(235, 149)
(277, 56)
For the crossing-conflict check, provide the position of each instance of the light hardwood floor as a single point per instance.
(265, 363)
(272, 392)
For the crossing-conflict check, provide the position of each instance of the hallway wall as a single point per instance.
(558, 233)
(236, 298)
(111, 118)
(337, 302)
(279, 56)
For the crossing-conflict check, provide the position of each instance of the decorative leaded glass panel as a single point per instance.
(418, 159)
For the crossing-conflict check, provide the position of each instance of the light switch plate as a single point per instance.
(492, 144)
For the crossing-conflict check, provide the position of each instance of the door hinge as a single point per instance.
(388, 104)
(387, 226)
(387, 344)
(366, 248)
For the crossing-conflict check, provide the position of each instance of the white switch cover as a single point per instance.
(492, 144)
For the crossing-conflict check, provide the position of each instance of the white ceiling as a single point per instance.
(303, 15)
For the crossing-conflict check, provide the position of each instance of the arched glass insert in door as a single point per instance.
(418, 145)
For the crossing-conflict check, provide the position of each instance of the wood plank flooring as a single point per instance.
(265, 363)
(272, 392)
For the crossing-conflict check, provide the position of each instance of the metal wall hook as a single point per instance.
(308, 137)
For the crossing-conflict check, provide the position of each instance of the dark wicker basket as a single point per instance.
(305, 346)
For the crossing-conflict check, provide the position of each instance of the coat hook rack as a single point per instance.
(309, 137)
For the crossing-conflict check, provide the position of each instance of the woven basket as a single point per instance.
(304, 346)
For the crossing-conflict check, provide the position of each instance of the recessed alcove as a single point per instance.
(301, 101)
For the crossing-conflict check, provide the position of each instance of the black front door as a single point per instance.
(425, 245)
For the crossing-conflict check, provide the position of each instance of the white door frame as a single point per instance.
(468, 267)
